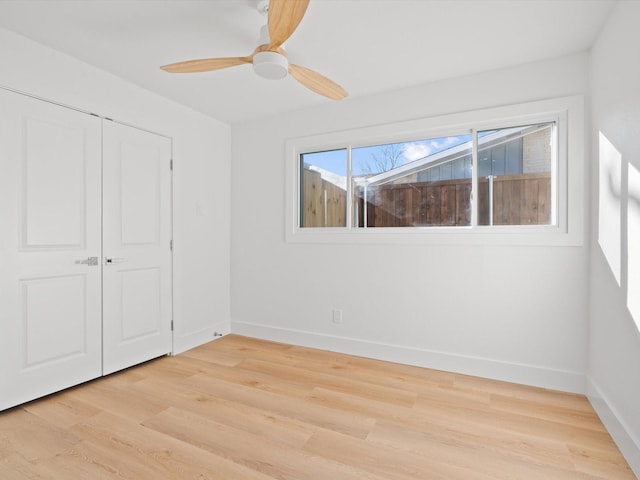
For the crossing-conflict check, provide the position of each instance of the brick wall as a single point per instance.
(536, 152)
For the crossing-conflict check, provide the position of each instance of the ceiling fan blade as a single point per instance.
(284, 16)
(316, 82)
(205, 64)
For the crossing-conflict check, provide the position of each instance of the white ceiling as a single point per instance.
(367, 46)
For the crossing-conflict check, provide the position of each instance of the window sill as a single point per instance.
(494, 235)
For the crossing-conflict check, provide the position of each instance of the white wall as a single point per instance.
(614, 340)
(201, 181)
(513, 313)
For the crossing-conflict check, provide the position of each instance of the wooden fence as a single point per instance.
(323, 203)
(517, 200)
(417, 204)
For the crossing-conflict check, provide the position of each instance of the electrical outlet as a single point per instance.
(337, 316)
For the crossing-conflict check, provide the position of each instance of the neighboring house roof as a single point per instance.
(445, 156)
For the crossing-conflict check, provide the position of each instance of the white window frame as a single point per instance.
(568, 177)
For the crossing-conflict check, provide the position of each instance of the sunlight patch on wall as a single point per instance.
(610, 180)
(633, 244)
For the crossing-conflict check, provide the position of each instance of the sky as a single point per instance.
(363, 157)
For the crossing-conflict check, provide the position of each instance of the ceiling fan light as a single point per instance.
(270, 65)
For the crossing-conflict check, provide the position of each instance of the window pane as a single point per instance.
(323, 189)
(514, 175)
(413, 184)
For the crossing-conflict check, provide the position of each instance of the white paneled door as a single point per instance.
(50, 248)
(85, 254)
(137, 306)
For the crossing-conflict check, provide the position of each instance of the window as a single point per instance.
(496, 172)
(414, 184)
(323, 189)
(516, 178)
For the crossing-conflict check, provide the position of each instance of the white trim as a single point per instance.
(615, 425)
(474, 178)
(563, 380)
(568, 111)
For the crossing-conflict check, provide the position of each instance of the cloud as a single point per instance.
(416, 150)
(442, 143)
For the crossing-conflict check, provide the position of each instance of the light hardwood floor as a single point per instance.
(240, 408)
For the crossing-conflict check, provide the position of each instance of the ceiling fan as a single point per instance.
(270, 59)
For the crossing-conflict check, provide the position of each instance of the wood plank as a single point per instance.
(302, 376)
(290, 407)
(526, 392)
(483, 201)
(433, 205)
(313, 210)
(529, 202)
(547, 411)
(447, 205)
(251, 451)
(386, 209)
(381, 460)
(336, 205)
(119, 401)
(544, 201)
(519, 424)
(399, 207)
(63, 410)
(135, 451)
(32, 437)
(478, 460)
(463, 204)
(273, 427)
(421, 205)
(376, 372)
(16, 467)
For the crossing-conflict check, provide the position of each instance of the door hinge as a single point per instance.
(171, 164)
(171, 245)
(172, 325)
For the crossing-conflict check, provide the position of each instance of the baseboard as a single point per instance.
(184, 342)
(482, 367)
(615, 424)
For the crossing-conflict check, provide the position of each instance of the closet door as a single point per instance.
(50, 275)
(137, 288)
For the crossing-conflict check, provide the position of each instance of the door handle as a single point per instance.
(111, 260)
(91, 261)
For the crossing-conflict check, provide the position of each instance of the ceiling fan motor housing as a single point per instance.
(270, 65)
